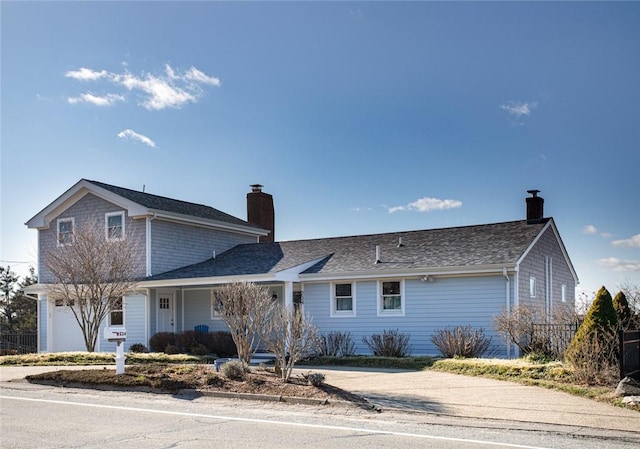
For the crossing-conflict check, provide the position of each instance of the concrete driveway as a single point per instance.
(451, 395)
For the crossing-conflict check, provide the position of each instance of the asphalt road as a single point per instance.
(47, 417)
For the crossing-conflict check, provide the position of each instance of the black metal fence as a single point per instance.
(553, 339)
(18, 343)
(630, 354)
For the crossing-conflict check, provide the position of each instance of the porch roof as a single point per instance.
(468, 246)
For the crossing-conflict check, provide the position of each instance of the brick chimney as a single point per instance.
(535, 207)
(260, 211)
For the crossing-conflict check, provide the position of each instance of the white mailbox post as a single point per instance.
(119, 335)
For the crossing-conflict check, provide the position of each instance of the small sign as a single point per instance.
(115, 333)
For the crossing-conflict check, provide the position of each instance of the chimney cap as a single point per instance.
(533, 192)
(256, 187)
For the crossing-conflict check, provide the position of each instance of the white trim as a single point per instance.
(532, 287)
(120, 214)
(124, 322)
(403, 299)
(73, 228)
(334, 313)
(147, 236)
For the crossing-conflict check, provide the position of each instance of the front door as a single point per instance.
(165, 312)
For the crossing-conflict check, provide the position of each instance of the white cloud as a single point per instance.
(197, 76)
(84, 74)
(171, 89)
(131, 134)
(632, 242)
(160, 93)
(106, 100)
(427, 204)
(620, 264)
(519, 110)
(589, 229)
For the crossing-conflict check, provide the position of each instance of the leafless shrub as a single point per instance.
(246, 308)
(461, 341)
(532, 331)
(391, 343)
(291, 336)
(336, 344)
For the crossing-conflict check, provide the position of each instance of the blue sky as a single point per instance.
(360, 117)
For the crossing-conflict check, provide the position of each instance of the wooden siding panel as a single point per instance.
(534, 265)
(429, 306)
(87, 208)
(176, 245)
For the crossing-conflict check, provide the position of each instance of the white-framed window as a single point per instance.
(64, 231)
(343, 299)
(564, 293)
(532, 287)
(114, 225)
(116, 314)
(391, 297)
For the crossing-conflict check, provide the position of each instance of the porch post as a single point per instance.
(288, 295)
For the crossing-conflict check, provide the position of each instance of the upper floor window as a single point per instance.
(343, 299)
(114, 225)
(65, 231)
(532, 287)
(391, 298)
(116, 315)
(564, 293)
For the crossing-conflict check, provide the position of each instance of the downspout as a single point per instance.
(508, 300)
(148, 243)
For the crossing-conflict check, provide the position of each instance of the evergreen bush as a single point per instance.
(623, 311)
(594, 348)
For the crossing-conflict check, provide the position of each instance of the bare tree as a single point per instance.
(92, 273)
(291, 336)
(246, 308)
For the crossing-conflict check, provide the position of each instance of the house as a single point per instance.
(413, 281)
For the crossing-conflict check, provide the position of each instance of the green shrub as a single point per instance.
(221, 343)
(391, 343)
(138, 348)
(623, 311)
(462, 341)
(158, 342)
(594, 349)
(234, 370)
(315, 379)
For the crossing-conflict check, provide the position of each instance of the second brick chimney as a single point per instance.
(535, 207)
(260, 211)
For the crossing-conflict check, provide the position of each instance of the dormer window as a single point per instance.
(65, 231)
(114, 225)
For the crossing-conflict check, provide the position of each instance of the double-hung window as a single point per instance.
(391, 301)
(114, 225)
(532, 287)
(343, 299)
(65, 231)
(116, 315)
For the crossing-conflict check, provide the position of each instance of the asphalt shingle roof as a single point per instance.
(468, 246)
(162, 203)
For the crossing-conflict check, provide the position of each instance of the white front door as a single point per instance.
(165, 312)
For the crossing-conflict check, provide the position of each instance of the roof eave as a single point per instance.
(208, 223)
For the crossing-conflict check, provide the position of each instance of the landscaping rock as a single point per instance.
(628, 387)
(631, 400)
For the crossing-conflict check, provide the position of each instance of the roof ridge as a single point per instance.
(101, 184)
(447, 228)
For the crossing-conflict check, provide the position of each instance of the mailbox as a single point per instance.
(117, 334)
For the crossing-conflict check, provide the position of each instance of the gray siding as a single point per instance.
(89, 207)
(134, 316)
(176, 245)
(533, 265)
(429, 306)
